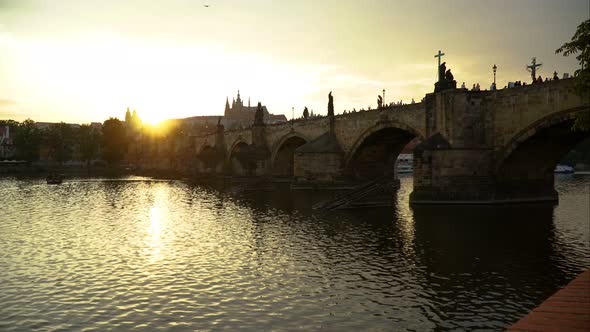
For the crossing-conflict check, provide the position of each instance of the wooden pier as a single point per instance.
(566, 310)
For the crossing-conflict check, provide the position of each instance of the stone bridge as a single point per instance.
(477, 146)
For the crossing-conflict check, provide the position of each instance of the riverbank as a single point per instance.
(28, 169)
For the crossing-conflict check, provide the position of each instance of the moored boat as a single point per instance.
(405, 163)
(563, 169)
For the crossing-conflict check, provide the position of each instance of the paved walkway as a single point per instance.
(566, 310)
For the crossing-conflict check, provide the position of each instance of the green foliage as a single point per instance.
(26, 141)
(13, 125)
(61, 139)
(89, 140)
(114, 140)
(580, 45)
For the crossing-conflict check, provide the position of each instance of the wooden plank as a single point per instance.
(566, 310)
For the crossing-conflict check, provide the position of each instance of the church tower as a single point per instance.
(239, 103)
(226, 113)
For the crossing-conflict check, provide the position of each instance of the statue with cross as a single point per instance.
(446, 80)
(533, 68)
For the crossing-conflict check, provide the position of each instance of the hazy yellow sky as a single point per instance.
(86, 60)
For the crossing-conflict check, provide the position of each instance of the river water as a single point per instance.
(136, 254)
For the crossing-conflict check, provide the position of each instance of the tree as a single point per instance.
(580, 45)
(13, 125)
(26, 141)
(114, 140)
(60, 137)
(89, 139)
(305, 113)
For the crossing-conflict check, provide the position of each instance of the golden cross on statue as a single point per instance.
(439, 55)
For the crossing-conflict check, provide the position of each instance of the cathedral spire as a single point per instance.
(248, 102)
(239, 102)
(226, 105)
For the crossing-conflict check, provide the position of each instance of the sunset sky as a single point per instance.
(85, 60)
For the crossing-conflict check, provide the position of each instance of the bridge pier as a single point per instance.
(443, 175)
(447, 176)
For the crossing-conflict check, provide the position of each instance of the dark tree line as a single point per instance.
(63, 141)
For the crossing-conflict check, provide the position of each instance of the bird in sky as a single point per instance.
(206, 6)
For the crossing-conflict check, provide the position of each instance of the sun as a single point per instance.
(151, 118)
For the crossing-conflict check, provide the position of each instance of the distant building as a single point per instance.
(237, 115)
(45, 125)
(6, 145)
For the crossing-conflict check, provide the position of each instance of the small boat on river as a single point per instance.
(54, 179)
(405, 163)
(563, 169)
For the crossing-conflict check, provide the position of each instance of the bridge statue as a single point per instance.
(259, 115)
(449, 76)
(441, 71)
(379, 101)
(330, 104)
(331, 117)
(446, 80)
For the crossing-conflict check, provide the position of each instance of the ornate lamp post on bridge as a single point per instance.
(495, 68)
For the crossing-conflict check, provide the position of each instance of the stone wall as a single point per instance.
(323, 167)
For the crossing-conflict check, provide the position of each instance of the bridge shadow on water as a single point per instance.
(499, 261)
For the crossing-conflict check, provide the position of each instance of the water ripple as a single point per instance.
(136, 254)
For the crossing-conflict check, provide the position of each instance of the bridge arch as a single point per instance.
(528, 160)
(232, 148)
(560, 120)
(236, 166)
(283, 153)
(375, 151)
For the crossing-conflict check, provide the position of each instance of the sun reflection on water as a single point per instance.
(154, 240)
(158, 217)
(406, 217)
